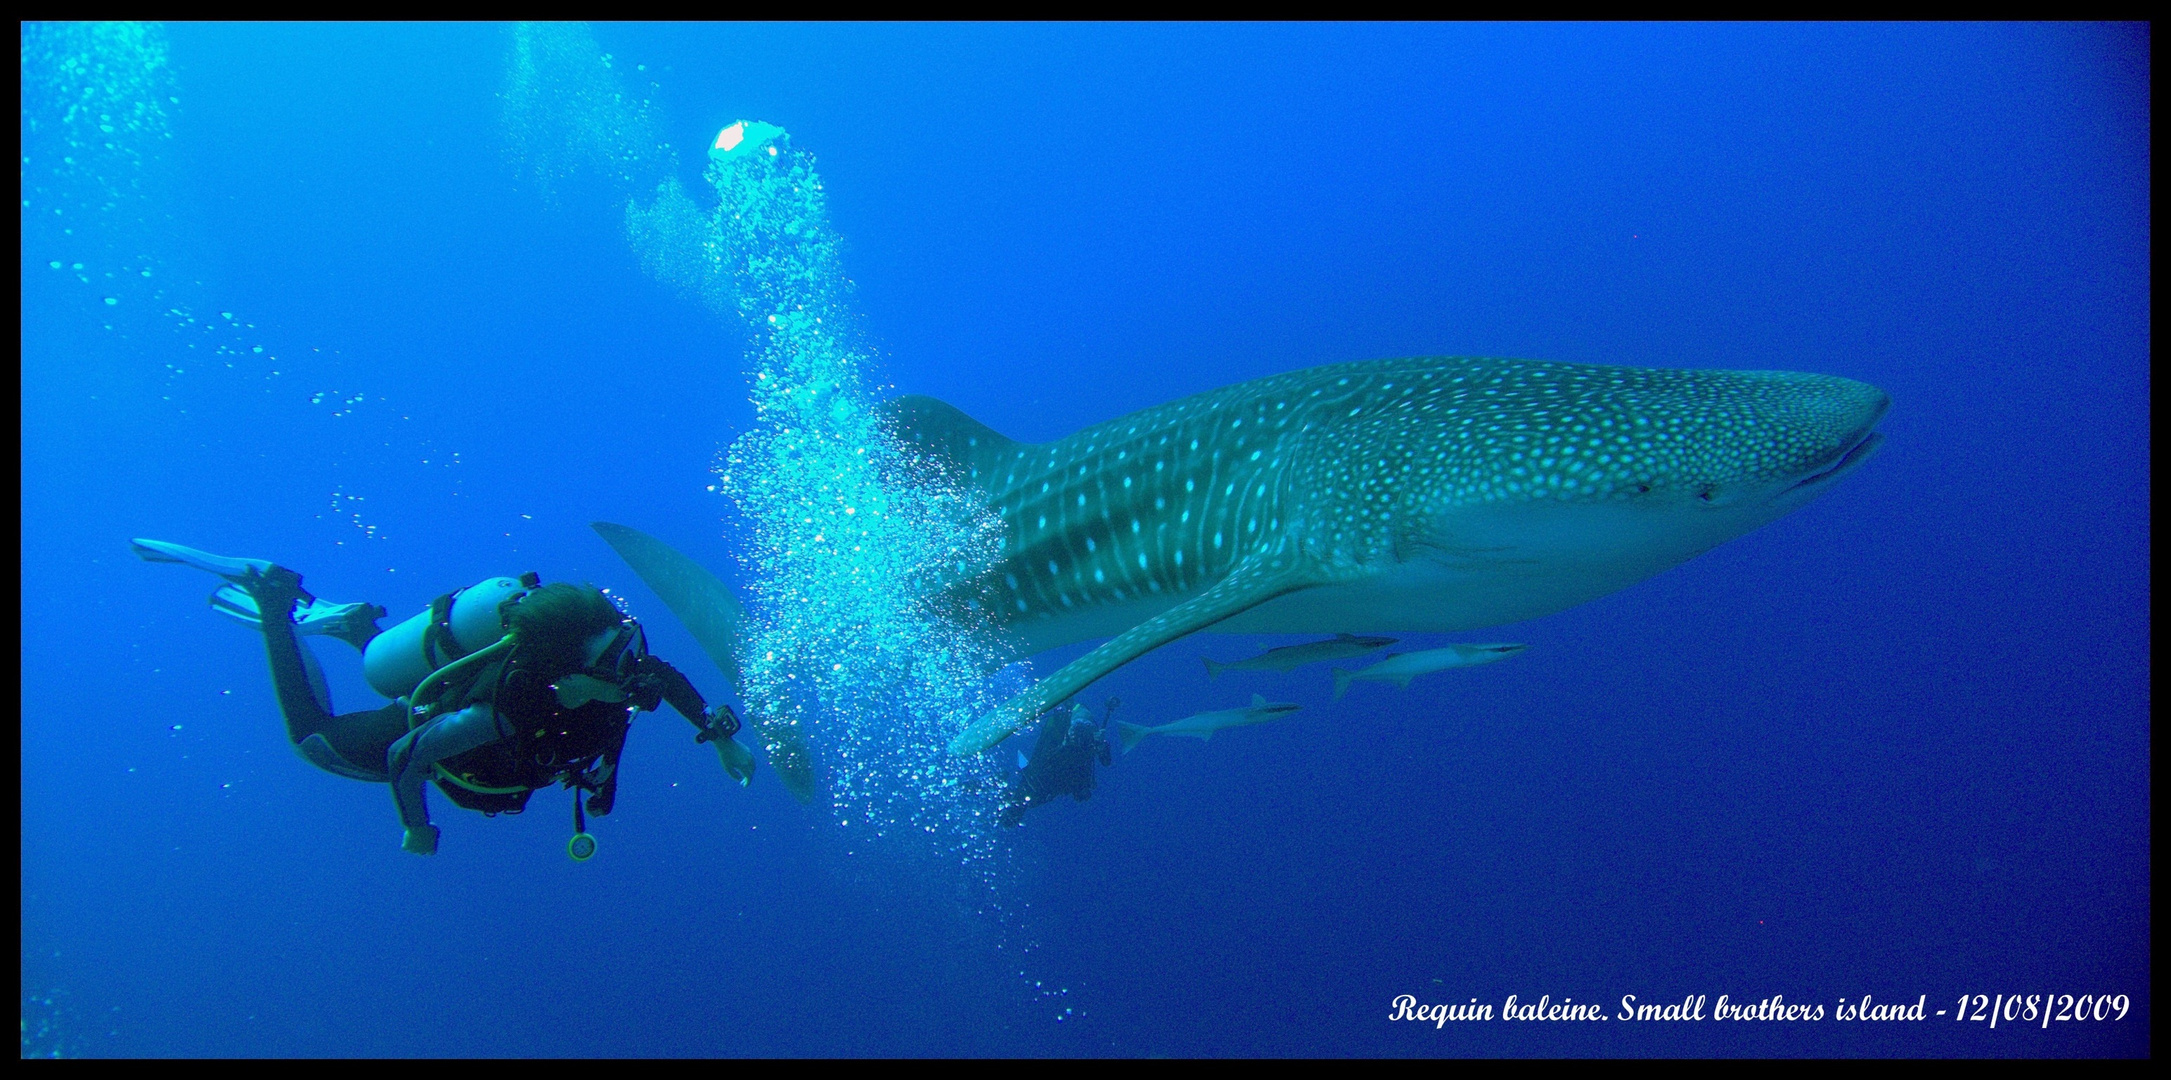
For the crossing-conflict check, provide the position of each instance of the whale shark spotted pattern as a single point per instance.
(1421, 494)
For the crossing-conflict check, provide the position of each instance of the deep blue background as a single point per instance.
(1894, 744)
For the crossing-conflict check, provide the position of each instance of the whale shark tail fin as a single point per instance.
(1213, 667)
(1129, 733)
(1341, 683)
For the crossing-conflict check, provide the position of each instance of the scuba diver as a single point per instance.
(499, 689)
(1062, 761)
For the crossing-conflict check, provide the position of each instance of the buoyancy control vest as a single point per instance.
(556, 723)
(542, 741)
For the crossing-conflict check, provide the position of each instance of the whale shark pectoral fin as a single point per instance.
(710, 612)
(1254, 581)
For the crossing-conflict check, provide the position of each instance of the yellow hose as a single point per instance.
(427, 690)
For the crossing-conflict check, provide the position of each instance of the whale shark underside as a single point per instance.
(1408, 495)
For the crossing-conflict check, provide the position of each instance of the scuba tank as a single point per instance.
(454, 625)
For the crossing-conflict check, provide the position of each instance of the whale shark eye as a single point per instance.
(1705, 494)
(1643, 489)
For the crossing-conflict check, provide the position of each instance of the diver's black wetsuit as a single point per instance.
(351, 745)
(487, 737)
(516, 733)
(1062, 763)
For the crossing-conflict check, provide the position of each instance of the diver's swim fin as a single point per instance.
(235, 603)
(229, 568)
(354, 624)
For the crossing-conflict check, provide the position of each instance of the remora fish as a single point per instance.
(1400, 668)
(1203, 725)
(1438, 494)
(1292, 657)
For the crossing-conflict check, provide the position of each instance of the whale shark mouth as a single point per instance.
(1860, 452)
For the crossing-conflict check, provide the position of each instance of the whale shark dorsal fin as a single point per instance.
(942, 431)
(1257, 701)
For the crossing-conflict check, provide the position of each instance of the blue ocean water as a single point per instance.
(335, 296)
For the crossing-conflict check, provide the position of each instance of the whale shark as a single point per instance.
(1414, 495)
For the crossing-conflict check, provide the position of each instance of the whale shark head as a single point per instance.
(1739, 448)
(1604, 475)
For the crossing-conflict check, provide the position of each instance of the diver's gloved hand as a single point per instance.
(738, 761)
(422, 840)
